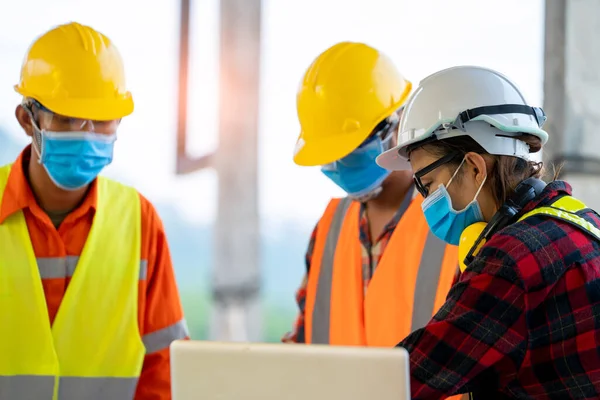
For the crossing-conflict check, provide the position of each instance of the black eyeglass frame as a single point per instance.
(424, 171)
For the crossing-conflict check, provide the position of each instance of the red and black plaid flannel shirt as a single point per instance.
(523, 321)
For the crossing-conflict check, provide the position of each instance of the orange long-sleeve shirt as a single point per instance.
(160, 315)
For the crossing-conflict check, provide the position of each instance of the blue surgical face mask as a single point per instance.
(358, 174)
(74, 159)
(444, 221)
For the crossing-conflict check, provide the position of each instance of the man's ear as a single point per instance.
(477, 166)
(24, 119)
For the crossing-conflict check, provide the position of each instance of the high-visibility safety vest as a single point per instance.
(566, 209)
(94, 348)
(408, 286)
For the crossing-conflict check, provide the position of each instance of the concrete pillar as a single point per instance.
(236, 279)
(572, 94)
(236, 314)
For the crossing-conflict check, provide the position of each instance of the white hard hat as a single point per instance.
(466, 100)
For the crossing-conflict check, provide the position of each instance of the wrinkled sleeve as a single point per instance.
(480, 330)
(162, 314)
(297, 334)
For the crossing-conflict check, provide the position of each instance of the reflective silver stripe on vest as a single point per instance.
(162, 338)
(63, 267)
(26, 387)
(77, 388)
(428, 279)
(321, 310)
(70, 388)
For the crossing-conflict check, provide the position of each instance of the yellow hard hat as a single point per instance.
(346, 92)
(467, 240)
(77, 72)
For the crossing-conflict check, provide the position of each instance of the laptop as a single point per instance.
(234, 371)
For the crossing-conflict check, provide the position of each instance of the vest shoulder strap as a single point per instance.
(4, 173)
(334, 231)
(566, 209)
(336, 224)
(112, 184)
(318, 322)
(5, 168)
(114, 193)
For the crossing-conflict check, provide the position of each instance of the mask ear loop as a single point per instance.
(86, 122)
(37, 132)
(455, 172)
(480, 187)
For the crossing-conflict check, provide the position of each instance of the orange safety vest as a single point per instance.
(409, 285)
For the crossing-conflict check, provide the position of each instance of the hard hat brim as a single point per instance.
(393, 161)
(326, 150)
(92, 109)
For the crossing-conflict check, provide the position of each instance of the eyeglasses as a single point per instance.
(424, 191)
(383, 130)
(64, 123)
(371, 147)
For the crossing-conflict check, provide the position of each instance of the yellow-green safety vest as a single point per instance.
(565, 209)
(94, 348)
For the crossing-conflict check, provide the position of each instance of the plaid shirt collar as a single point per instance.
(549, 195)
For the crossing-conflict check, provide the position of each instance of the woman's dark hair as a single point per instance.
(507, 171)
